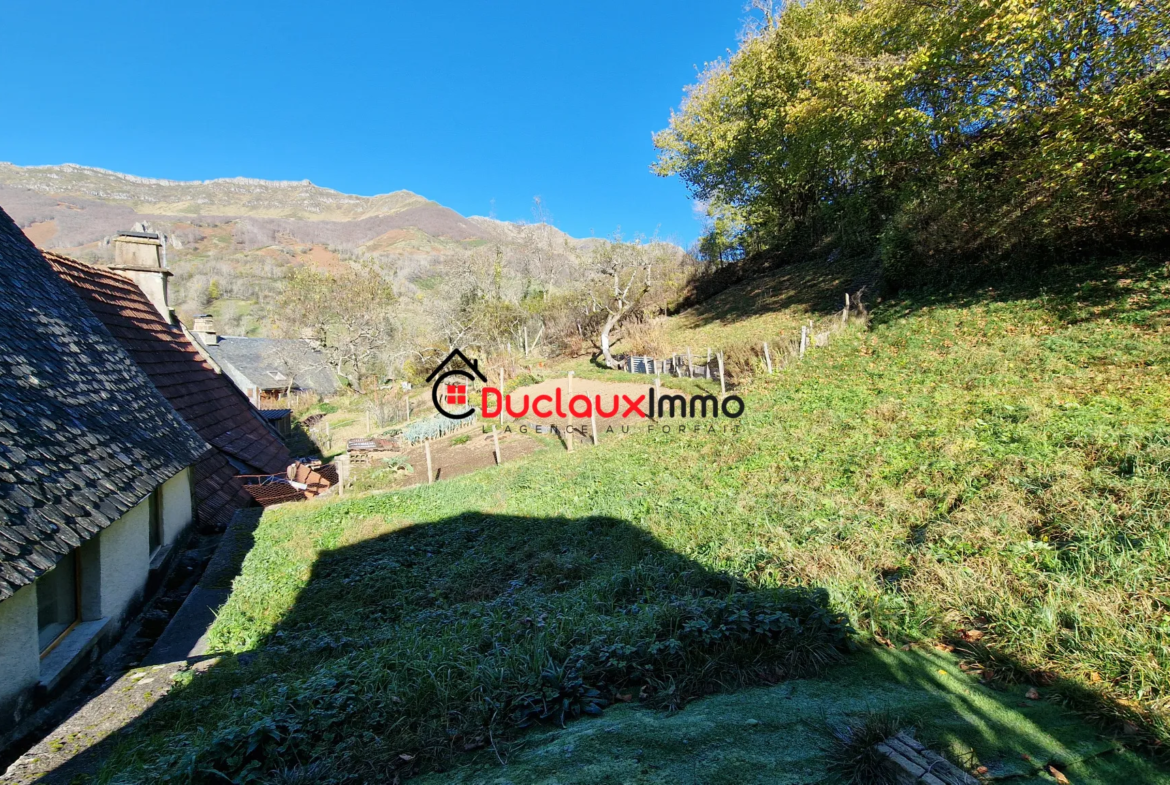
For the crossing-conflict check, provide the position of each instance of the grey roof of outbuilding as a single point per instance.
(84, 435)
(255, 358)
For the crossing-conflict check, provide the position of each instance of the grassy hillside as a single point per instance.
(989, 470)
(766, 306)
(779, 735)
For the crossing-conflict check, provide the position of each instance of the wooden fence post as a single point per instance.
(803, 338)
(430, 471)
(722, 381)
(708, 362)
(690, 365)
(569, 425)
(767, 357)
(845, 313)
(593, 423)
(496, 441)
(408, 407)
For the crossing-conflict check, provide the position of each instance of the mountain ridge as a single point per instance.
(240, 239)
(234, 196)
(72, 206)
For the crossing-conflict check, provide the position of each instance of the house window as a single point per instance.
(156, 520)
(58, 603)
(457, 394)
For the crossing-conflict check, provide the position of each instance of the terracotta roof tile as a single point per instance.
(205, 399)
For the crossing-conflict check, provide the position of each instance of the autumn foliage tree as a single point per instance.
(348, 317)
(940, 134)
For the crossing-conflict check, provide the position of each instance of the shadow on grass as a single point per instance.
(815, 286)
(407, 647)
(1122, 288)
(785, 734)
(1089, 289)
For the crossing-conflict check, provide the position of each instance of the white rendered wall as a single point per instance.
(125, 560)
(20, 657)
(176, 506)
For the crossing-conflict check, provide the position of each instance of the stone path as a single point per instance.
(74, 751)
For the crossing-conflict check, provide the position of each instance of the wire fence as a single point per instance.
(769, 355)
(433, 428)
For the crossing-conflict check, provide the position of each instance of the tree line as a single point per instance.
(507, 303)
(936, 136)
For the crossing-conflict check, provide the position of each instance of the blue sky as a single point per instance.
(476, 105)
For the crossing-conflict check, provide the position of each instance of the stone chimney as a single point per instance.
(204, 329)
(139, 256)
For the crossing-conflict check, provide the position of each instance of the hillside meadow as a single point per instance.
(987, 470)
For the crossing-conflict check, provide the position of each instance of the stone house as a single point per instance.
(131, 301)
(97, 479)
(265, 369)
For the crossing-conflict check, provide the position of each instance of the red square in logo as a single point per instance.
(457, 394)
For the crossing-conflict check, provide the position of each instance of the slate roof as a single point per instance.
(207, 400)
(262, 362)
(84, 435)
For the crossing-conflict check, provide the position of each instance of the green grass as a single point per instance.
(789, 734)
(428, 283)
(582, 368)
(408, 625)
(766, 308)
(990, 470)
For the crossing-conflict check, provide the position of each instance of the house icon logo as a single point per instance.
(450, 388)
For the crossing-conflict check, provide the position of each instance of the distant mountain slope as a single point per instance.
(236, 196)
(503, 231)
(232, 243)
(71, 206)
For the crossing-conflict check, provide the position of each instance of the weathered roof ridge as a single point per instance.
(253, 358)
(207, 400)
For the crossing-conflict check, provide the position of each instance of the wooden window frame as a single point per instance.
(76, 605)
